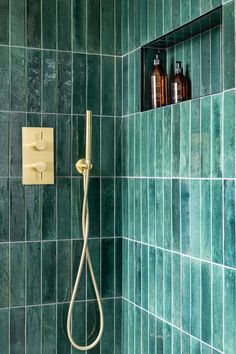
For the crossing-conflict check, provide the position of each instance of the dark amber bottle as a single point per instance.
(178, 85)
(158, 84)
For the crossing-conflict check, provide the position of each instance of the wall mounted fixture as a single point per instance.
(37, 156)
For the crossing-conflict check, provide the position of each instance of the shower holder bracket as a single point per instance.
(83, 166)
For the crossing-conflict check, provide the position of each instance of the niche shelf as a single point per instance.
(198, 45)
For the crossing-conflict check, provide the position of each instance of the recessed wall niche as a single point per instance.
(198, 45)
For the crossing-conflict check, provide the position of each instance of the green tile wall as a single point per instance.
(57, 59)
(177, 184)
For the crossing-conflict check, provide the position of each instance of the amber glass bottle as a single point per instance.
(178, 85)
(158, 84)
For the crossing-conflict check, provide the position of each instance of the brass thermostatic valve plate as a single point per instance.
(37, 156)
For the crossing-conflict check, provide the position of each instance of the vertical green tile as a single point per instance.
(64, 24)
(144, 213)
(195, 218)
(93, 25)
(107, 27)
(195, 298)
(176, 140)
(175, 5)
(167, 17)
(118, 86)
(137, 145)
(184, 138)
(217, 136)
(217, 222)
(229, 135)
(64, 208)
(206, 137)
(159, 336)
(33, 24)
(138, 194)
(107, 342)
(75, 256)
(77, 205)
(17, 331)
(33, 212)
(125, 85)
(118, 23)
(118, 265)
(17, 214)
(49, 82)
(144, 278)
(229, 45)
(95, 205)
(4, 210)
(4, 18)
(107, 265)
(167, 213)
(151, 214)
(107, 222)
(4, 275)
(33, 80)
(4, 72)
(185, 220)
(118, 146)
(79, 25)
(138, 80)
(217, 307)
(159, 283)
(206, 220)
(118, 207)
(125, 336)
(17, 14)
(187, 58)
(131, 82)
(64, 82)
(167, 141)
(16, 122)
(108, 84)
(33, 273)
(137, 333)
(159, 213)
(206, 302)
(33, 330)
(185, 343)
(152, 334)
(49, 329)
(195, 8)
(137, 22)
(131, 146)
(125, 23)
(137, 273)
(186, 308)
(125, 146)
(167, 338)
(131, 208)
(63, 345)
(229, 311)
(49, 213)
(64, 150)
(63, 272)
(229, 223)
(144, 21)
(176, 338)
(49, 272)
(195, 139)
(93, 83)
(167, 278)
(78, 327)
(195, 346)
(49, 24)
(151, 20)
(78, 140)
(176, 279)
(216, 70)
(17, 276)
(186, 6)
(159, 143)
(175, 214)
(18, 79)
(151, 280)
(107, 146)
(4, 144)
(205, 5)
(196, 89)
(205, 63)
(4, 328)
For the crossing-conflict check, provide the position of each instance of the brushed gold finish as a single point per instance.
(37, 156)
(85, 165)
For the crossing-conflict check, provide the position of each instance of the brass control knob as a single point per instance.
(40, 166)
(40, 144)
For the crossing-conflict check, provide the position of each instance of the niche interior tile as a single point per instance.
(49, 30)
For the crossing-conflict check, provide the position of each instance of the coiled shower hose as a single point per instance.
(85, 257)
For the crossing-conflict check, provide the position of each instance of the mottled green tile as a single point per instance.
(159, 143)
(176, 279)
(184, 138)
(79, 25)
(195, 298)
(16, 122)
(33, 212)
(137, 328)
(125, 85)
(4, 145)
(64, 24)
(151, 143)
(206, 303)
(137, 96)
(107, 222)
(33, 80)
(49, 24)
(49, 329)
(49, 82)
(217, 136)
(176, 140)
(118, 86)
(93, 26)
(137, 273)
(151, 20)
(186, 291)
(196, 67)
(4, 18)
(63, 208)
(217, 307)
(107, 342)
(95, 206)
(185, 343)
(159, 283)
(167, 214)
(49, 213)
(195, 139)
(144, 212)
(144, 144)
(186, 6)
(229, 45)
(137, 131)
(145, 330)
(229, 223)
(108, 84)
(195, 8)
(138, 210)
(63, 272)
(107, 146)
(205, 5)
(107, 27)
(18, 79)
(131, 20)
(125, 278)
(49, 272)
(167, 286)
(206, 137)
(33, 24)
(195, 218)
(185, 219)
(17, 275)
(229, 311)
(176, 341)
(159, 212)
(175, 7)
(131, 208)
(132, 82)
(152, 279)
(144, 21)
(4, 209)
(217, 222)
(205, 63)
(64, 80)
(118, 266)
(33, 330)
(18, 20)
(75, 259)
(63, 344)
(168, 15)
(4, 275)
(77, 205)
(152, 334)
(125, 146)
(17, 213)
(4, 328)
(64, 150)
(151, 214)
(118, 23)
(229, 136)
(216, 70)
(125, 334)
(93, 84)
(167, 142)
(78, 140)
(107, 265)
(205, 220)
(5, 78)
(159, 336)
(195, 346)
(167, 338)
(33, 273)
(175, 214)
(17, 330)
(78, 327)
(131, 163)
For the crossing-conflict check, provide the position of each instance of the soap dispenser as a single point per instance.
(178, 85)
(158, 84)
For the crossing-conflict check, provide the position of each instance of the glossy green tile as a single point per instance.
(118, 24)
(151, 20)
(93, 83)
(33, 212)
(195, 346)
(95, 207)
(33, 273)
(17, 274)
(217, 136)
(176, 140)
(18, 79)
(63, 272)
(33, 330)
(216, 71)
(205, 137)
(118, 207)
(176, 341)
(108, 83)
(217, 307)
(124, 25)
(16, 122)
(77, 205)
(125, 85)
(107, 146)
(48, 213)
(159, 335)
(107, 343)
(152, 279)
(229, 223)
(206, 303)
(205, 220)
(152, 337)
(167, 196)
(49, 24)
(196, 67)
(63, 345)
(195, 218)
(5, 77)
(75, 256)
(186, 291)
(159, 212)
(4, 275)
(229, 311)
(17, 14)
(17, 331)
(144, 21)
(229, 45)
(159, 18)
(131, 163)
(205, 5)
(125, 147)
(79, 84)
(175, 6)
(167, 142)
(185, 343)
(63, 208)
(176, 279)
(107, 222)
(49, 329)
(195, 8)
(144, 211)
(186, 13)
(168, 16)
(118, 86)
(78, 328)
(144, 144)
(78, 140)
(4, 209)
(167, 338)
(64, 79)
(138, 210)
(167, 285)
(49, 82)
(64, 24)
(195, 139)
(17, 214)
(33, 24)
(4, 145)
(205, 63)
(217, 222)
(144, 278)
(131, 208)
(195, 298)
(137, 80)
(107, 267)
(137, 328)
(176, 214)
(33, 80)
(151, 213)
(4, 18)
(132, 82)
(159, 283)
(137, 273)
(125, 278)
(93, 29)
(159, 143)
(49, 272)
(4, 328)
(64, 150)
(107, 18)
(79, 25)
(229, 137)
(118, 266)
(137, 131)
(125, 334)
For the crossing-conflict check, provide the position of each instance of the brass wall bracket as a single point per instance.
(83, 166)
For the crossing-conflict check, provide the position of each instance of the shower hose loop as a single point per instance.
(85, 256)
